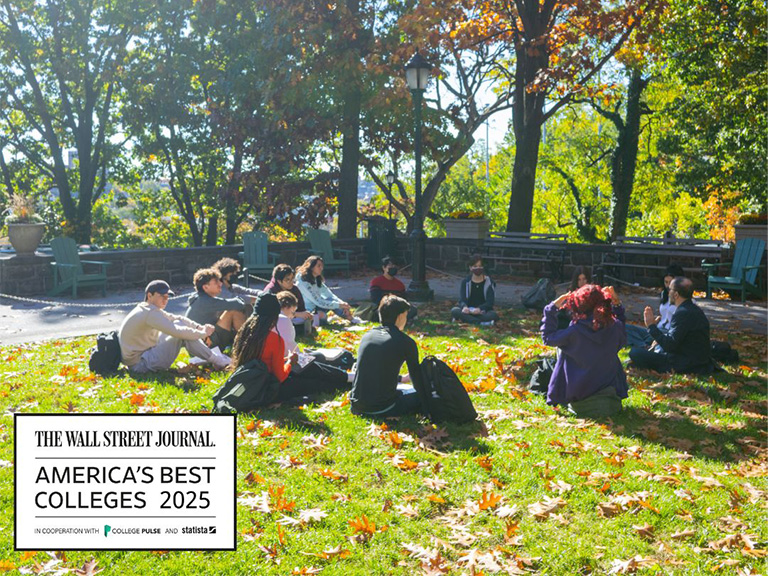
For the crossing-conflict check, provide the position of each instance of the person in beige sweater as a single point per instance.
(150, 338)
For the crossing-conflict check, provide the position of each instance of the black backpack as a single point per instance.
(542, 293)
(106, 355)
(444, 396)
(722, 352)
(542, 375)
(249, 387)
(343, 359)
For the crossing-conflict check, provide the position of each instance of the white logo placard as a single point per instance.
(124, 482)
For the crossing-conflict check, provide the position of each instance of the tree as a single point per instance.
(559, 45)
(61, 68)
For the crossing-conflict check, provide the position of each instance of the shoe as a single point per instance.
(489, 323)
(357, 320)
(453, 320)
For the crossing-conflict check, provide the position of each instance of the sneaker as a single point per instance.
(489, 323)
(357, 320)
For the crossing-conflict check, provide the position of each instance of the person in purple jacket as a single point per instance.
(588, 377)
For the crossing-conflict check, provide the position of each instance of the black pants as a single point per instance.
(314, 379)
(658, 361)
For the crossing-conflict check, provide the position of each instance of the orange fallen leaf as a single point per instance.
(489, 500)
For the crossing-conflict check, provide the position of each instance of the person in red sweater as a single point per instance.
(258, 338)
(381, 286)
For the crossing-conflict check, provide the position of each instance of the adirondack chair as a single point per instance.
(256, 257)
(744, 268)
(68, 272)
(321, 246)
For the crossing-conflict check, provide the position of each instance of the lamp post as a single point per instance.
(417, 72)
(390, 181)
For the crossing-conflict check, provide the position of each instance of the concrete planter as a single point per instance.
(744, 231)
(477, 229)
(25, 238)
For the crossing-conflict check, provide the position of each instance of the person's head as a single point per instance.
(670, 273)
(476, 265)
(284, 276)
(228, 268)
(680, 290)
(157, 293)
(312, 270)
(591, 300)
(394, 310)
(581, 276)
(207, 281)
(288, 303)
(249, 341)
(389, 266)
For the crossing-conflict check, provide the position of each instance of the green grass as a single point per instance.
(687, 454)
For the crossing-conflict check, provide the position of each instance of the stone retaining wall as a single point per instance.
(32, 275)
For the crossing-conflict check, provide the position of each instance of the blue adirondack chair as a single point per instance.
(744, 269)
(320, 241)
(257, 259)
(68, 271)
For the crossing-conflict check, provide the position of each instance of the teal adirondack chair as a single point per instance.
(68, 272)
(321, 246)
(744, 268)
(257, 259)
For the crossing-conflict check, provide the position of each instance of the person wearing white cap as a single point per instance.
(150, 338)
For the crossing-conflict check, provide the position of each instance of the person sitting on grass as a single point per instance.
(581, 276)
(150, 338)
(207, 307)
(375, 392)
(477, 294)
(588, 376)
(283, 278)
(685, 347)
(638, 336)
(379, 287)
(319, 298)
(229, 268)
(258, 338)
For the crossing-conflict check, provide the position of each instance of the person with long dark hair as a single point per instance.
(258, 338)
(318, 297)
(580, 277)
(588, 376)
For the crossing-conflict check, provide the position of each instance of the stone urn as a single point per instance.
(25, 238)
(475, 228)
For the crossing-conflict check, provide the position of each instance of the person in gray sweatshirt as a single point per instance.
(207, 307)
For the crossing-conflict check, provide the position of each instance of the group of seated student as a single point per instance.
(477, 295)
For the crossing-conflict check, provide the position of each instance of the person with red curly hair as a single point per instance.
(588, 376)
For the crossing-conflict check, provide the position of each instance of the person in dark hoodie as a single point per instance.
(207, 307)
(588, 376)
(477, 294)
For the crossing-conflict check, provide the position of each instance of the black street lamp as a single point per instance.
(390, 181)
(417, 72)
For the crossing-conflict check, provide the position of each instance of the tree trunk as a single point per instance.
(624, 158)
(212, 233)
(520, 212)
(350, 162)
(230, 207)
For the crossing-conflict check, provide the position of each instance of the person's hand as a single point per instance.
(405, 379)
(209, 329)
(293, 358)
(465, 310)
(305, 315)
(648, 317)
(612, 294)
(560, 302)
(475, 311)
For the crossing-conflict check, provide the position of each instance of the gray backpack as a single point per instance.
(540, 295)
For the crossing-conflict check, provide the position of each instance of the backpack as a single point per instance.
(249, 387)
(444, 396)
(106, 355)
(542, 375)
(541, 294)
(722, 352)
(336, 357)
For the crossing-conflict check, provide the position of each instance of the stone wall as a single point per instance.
(32, 276)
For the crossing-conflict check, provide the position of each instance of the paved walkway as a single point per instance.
(29, 322)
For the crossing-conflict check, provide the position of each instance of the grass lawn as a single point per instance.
(675, 485)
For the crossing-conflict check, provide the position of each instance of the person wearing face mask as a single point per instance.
(685, 347)
(477, 294)
(380, 286)
(283, 278)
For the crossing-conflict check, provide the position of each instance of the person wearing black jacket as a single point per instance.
(685, 347)
(477, 295)
(380, 356)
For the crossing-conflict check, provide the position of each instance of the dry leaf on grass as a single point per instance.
(544, 509)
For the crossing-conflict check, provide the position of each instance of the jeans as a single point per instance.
(658, 361)
(474, 318)
(407, 401)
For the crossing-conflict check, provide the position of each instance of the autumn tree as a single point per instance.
(61, 74)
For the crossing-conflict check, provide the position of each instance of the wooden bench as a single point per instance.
(639, 252)
(548, 249)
